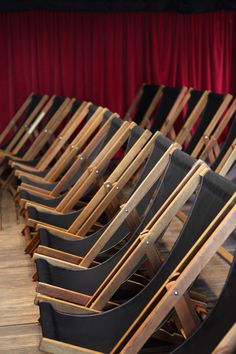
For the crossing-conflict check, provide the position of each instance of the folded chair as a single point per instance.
(20, 117)
(125, 328)
(71, 164)
(86, 281)
(87, 180)
(144, 103)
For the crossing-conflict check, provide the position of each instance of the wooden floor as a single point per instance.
(20, 332)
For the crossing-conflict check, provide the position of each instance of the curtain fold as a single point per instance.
(104, 57)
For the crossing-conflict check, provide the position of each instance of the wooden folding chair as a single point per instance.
(125, 328)
(19, 118)
(144, 104)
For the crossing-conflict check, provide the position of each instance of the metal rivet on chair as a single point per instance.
(97, 172)
(61, 137)
(147, 242)
(117, 187)
(45, 130)
(176, 293)
(126, 210)
(81, 158)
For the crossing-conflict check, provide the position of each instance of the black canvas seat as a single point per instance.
(148, 94)
(87, 281)
(214, 101)
(102, 331)
(62, 220)
(169, 97)
(75, 246)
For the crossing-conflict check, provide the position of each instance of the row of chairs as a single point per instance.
(95, 222)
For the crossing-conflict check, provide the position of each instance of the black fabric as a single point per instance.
(87, 281)
(192, 102)
(149, 91)
(102, 331)
(35, 99)
(217, 324)
(169, 97)
(227, 143)
(213, 103)
(184, 6)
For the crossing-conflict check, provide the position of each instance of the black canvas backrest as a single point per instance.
(219, 321)
(75, 105)
(35, 98)
(149, 92)
(193, 101)
(169, 97)
(102, 331)
(227, 143)
(114, 127)
(213, 103)
(57, 102)
(135, 134)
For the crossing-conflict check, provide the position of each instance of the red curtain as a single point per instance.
(104, 57)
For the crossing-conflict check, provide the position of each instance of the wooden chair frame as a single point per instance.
(228, 160)
(228, 343)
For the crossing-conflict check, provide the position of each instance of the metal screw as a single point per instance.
(126, 210)
(45, 130)
(108, 185)
(176, 293)
(72, 146)
(147, 242)
(81, 158)
(117, 187)
(97, 172)
(60, 137)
